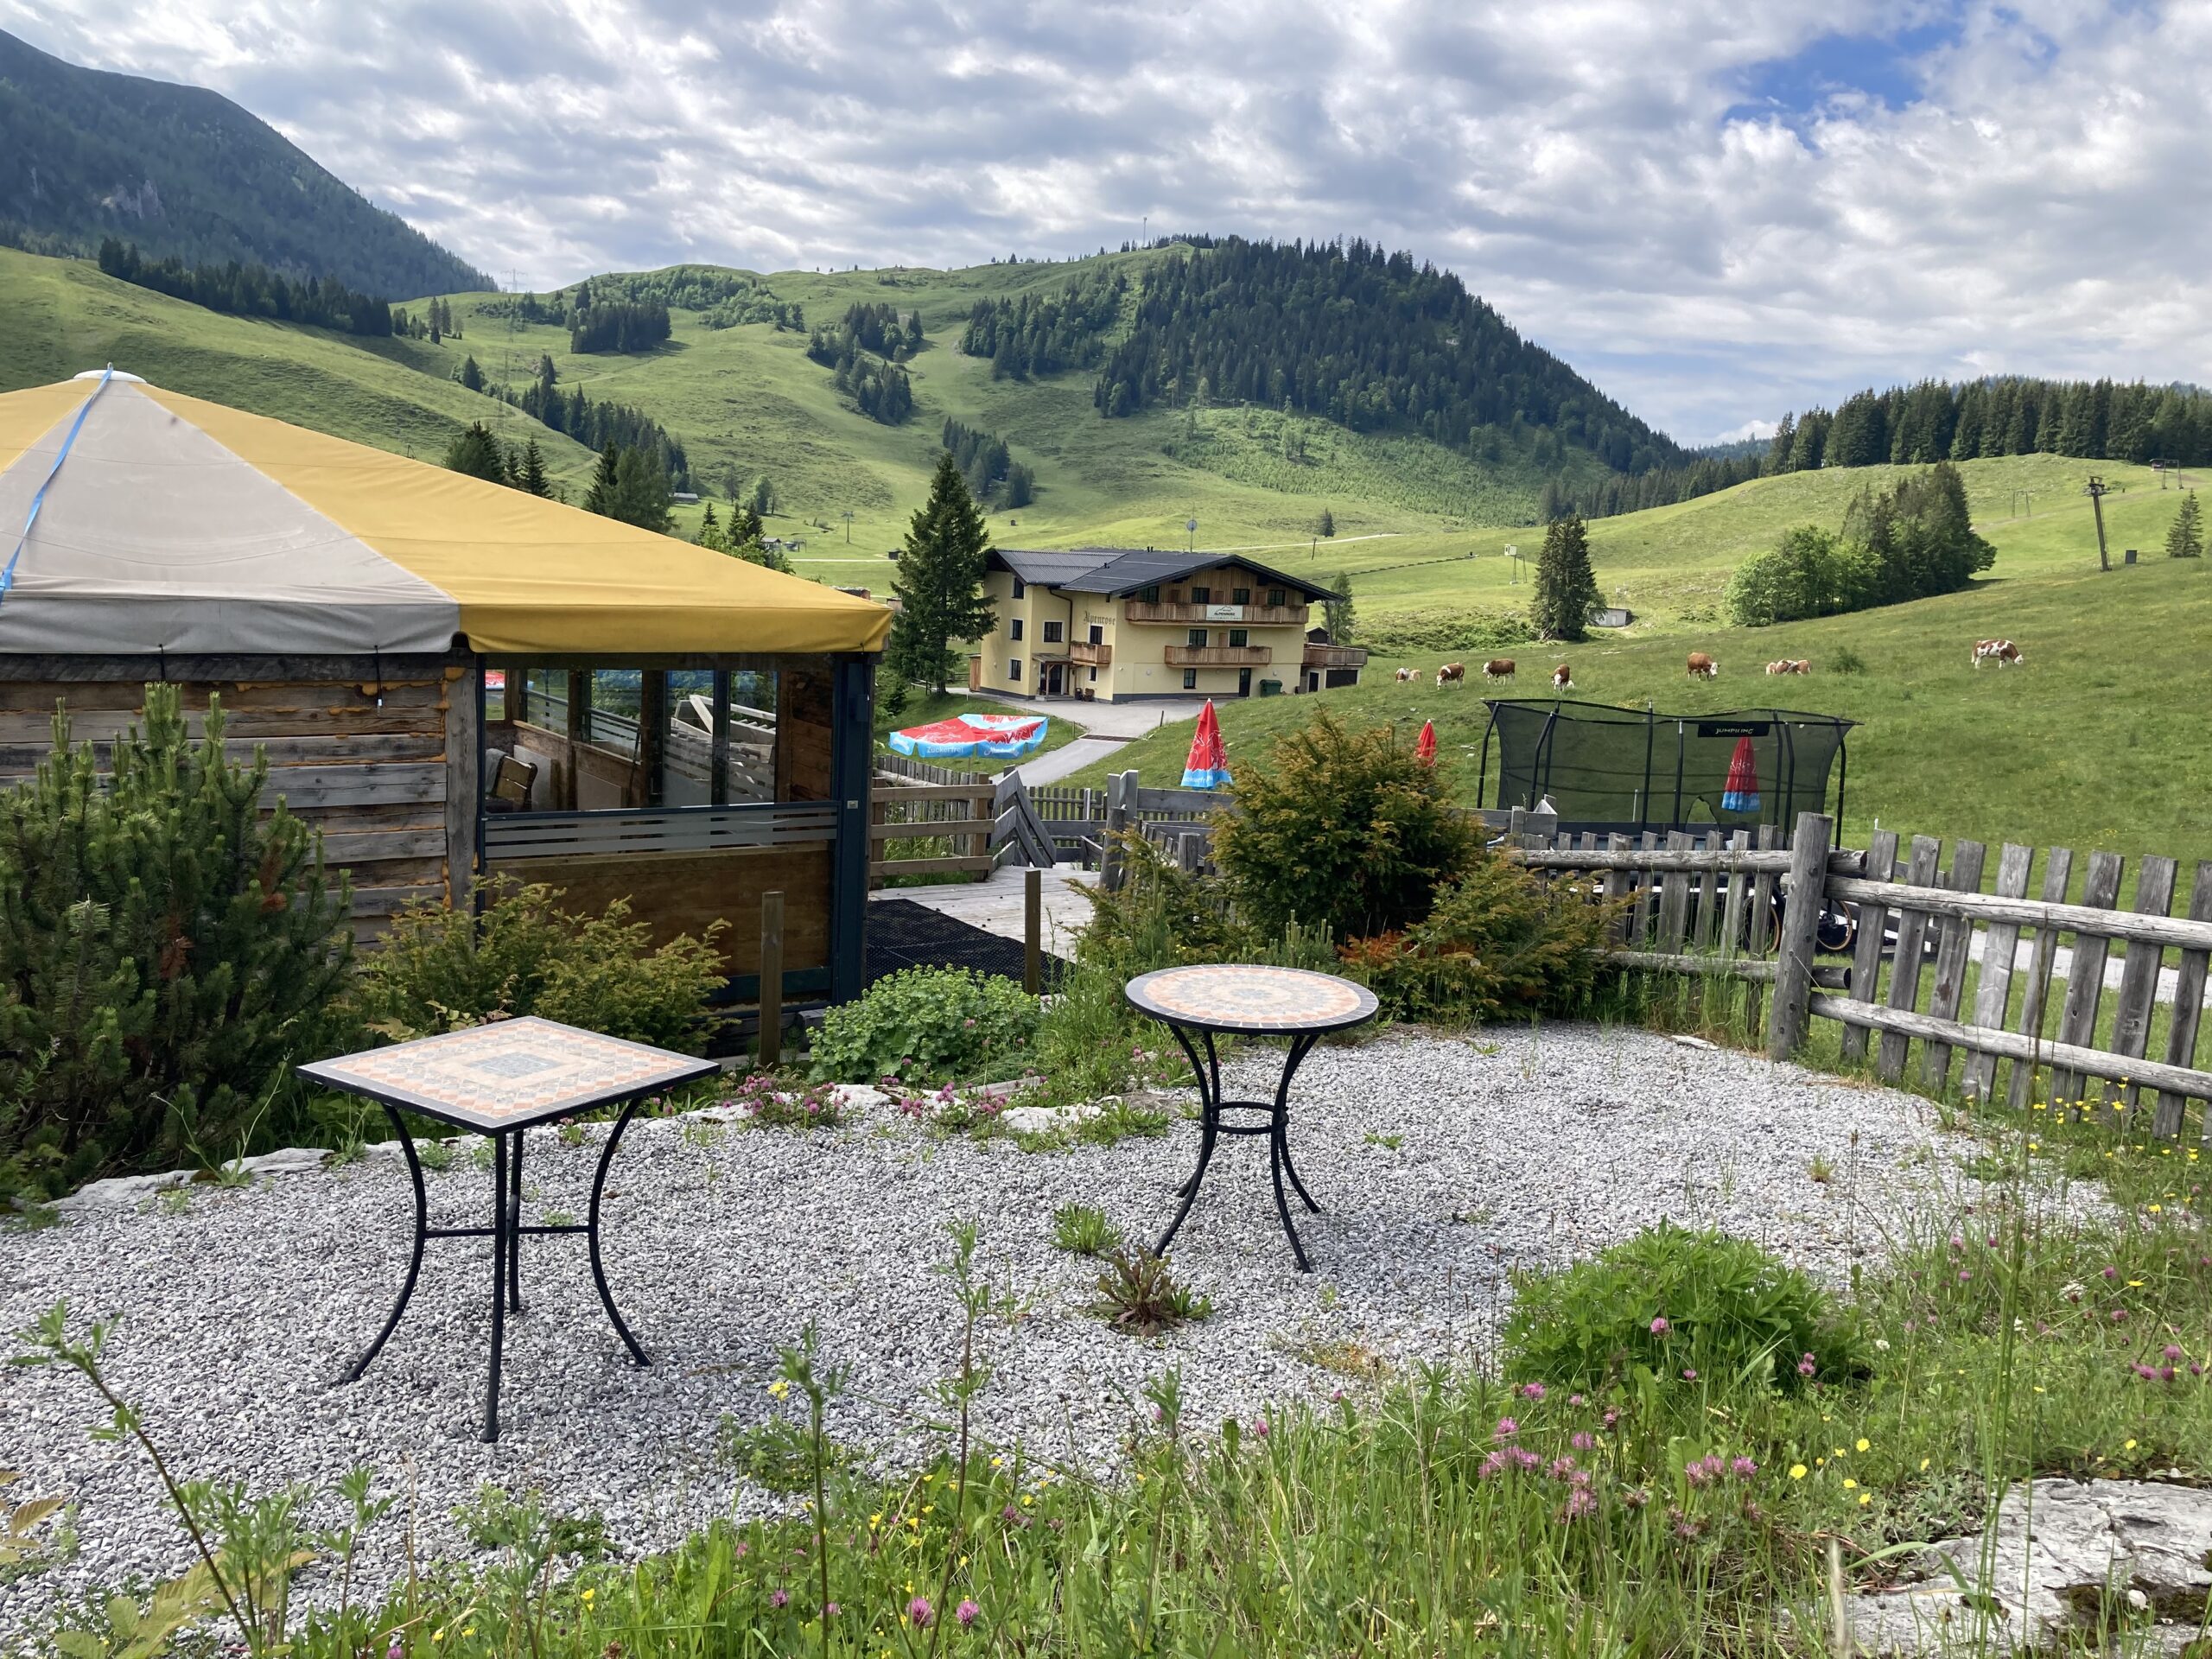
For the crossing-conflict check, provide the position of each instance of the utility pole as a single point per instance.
(849, 527)
(2096, 490)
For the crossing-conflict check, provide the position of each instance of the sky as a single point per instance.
(1718, 212)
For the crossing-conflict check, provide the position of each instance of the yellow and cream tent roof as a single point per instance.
(177, 525)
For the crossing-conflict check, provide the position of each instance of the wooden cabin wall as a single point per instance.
(366, 759)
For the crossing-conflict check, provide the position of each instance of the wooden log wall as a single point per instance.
(363, 758)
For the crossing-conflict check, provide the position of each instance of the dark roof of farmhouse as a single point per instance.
(1115, 571)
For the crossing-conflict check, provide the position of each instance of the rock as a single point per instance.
(119, 1193)
(290, 1160)
(1051, 1120)
(1695, 1042)
(859, 1096)
(2065, 1558)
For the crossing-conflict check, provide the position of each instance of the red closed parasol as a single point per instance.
(1208, 766)
(1425, 750)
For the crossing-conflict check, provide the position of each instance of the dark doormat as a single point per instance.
(903, 934)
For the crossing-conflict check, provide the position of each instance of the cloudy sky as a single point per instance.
(1719, 211)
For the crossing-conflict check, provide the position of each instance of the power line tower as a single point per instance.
(2097, 489)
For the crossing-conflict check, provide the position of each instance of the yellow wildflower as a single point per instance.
(1797, 1472)
(1863, 1444)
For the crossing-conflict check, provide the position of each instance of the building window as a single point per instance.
(1014, 629)
(1020, 587)
(1240, 595)
(1149, 596)
(1097, 634)
(1197, 636)
(1014, 670)
(1201, 595)
(1094, 675)
(1189, 680)
(1276, 596)
(1237, 636)
(1052, 633)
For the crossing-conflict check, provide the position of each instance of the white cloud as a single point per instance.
(1621, 179)
(1761, 429)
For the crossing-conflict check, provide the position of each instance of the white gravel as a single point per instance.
(238, 1305)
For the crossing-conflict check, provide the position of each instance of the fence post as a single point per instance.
(772, 979)
(1800, 916)
(1121, 787)
(1033, 929)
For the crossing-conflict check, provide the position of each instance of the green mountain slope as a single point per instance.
(182, 170)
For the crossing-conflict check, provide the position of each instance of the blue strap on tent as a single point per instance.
(7, 573)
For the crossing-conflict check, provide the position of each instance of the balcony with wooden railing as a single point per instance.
(1249, 616)
(1335, 657)
(1084, 654)
(1219, 656)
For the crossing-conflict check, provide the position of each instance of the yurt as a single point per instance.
(449, 676)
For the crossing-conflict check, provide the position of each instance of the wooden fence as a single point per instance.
(982, 825)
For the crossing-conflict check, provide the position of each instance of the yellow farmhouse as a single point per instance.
(1112, 624)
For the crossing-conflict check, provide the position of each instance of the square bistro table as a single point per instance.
(498, 1080)
(1247, 1002)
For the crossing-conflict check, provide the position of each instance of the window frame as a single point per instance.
(1189, 680)
(1240, 637)
(1014, 670)
(1013, 628)
(1240, 595)
(1052, 635)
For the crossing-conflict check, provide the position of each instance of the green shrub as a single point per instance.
(1400, 633)
(1500, 940)
(167, 951)
(929, 1025)
(1343, 829)
(1671, 1301)
(1084, 1230)
(1138, 1293)
(442, 969)
(1847, 661)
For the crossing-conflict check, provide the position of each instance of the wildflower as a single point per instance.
(1797, 1472)
(1576, 1401)
(589, 1593)
(966, 1613)
(1581, 1440)
(780, 1599)
(1260, 1429)
(1923, 1464)
(1957, 1243)
(1864, 1498)
(1635, 1497)
(393, 1651)
(1688, 1375)
(1659, 1327)
(1610, 1418)
(1743, 1468)
(830, 1610)
(1507, 1428)
(2172, 1352)
(1532, 1390)
(1850, 1485)
(2130, 1447)
(1862, 1444)
(1579, 1503)
(2111, 1272)
(920, 1611)
(1807, 1366)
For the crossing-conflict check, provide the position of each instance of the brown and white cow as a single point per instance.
(1702, 666)
(1562, 678)
(2003, 652)
(1788, 665)
(1803, 665)
(1452, 674)
(1498, 668)
(1782, 667)
(1405, 674)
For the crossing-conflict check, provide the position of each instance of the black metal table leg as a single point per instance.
(1299, 1048)
(1209, 1129)
(414, 1260)
(502, 1244)
(1212, 1126)
(514, 1228)
(591, 1229)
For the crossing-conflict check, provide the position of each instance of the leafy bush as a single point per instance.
(1501, 940)
(1670, 1301)
(928, 1025)
(777, 1454)
(443, 968)
(1343, 829)
(1847, 661)
(167, 951)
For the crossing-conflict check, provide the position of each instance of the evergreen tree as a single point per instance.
(472, 377)
(641, 491)
(2186, 536)
(1327, 526)
(1337, 610)
(605, 483)
(940, 582)
(707, 520)
(477, 453)
(527, 473)
(1567, 588)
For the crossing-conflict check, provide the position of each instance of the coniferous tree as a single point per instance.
(940, 582)
(1327, 526)
(641, 492)
(527, 473)
(477, 453)
(1337, 612)
(472, 377)
(2186, 536)
(1567, 588)
(606, 483)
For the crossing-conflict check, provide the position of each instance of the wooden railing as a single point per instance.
(960, 814)
(1249, 616)
(1219, 656)
(1335, 657)
(1084, 653)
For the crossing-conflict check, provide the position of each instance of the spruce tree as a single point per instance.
(472, 377)
(1567, 588)
(477, 453)
(528, 473)
(940, 582)
(605, 483)
(2186, 536)
(641, 491)
(1337, 610)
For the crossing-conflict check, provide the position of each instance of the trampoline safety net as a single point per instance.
(1630, 769)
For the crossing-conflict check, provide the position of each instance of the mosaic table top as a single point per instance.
(1228, 996)
(509, 1074)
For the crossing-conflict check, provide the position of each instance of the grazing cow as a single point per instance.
(1803, 665)
(1787, 665)
(1562, 678)
(1452, 674)
(1702, 666)
(1405, 674)
(1782, 667)
(1498, 668)
(2003, 652)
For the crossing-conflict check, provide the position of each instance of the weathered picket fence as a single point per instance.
(979, 824)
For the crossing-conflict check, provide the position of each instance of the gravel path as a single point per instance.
(238, 1305)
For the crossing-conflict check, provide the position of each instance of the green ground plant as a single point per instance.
(929, 1026)
(1139, 1293)
(1084, 1230)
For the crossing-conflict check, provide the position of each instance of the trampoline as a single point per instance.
(1633, 770)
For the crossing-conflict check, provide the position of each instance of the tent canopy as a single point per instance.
(185, 527)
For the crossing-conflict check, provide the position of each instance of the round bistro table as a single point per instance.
(1247, 1002)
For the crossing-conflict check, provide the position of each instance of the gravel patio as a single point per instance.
(1515, 1148)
